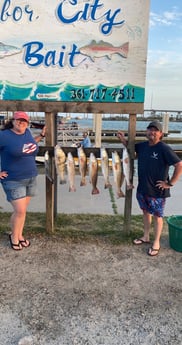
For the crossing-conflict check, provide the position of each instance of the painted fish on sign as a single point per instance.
(104, 49)
(8, 50)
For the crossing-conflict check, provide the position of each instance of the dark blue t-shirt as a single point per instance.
(153, 165)
(18, 153)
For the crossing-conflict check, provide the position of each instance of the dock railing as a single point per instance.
(69, 135)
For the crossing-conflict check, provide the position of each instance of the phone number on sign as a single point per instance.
(104, 94)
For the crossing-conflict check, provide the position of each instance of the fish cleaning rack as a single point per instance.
(74, 152)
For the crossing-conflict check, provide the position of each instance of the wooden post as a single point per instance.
(55, 129)
(94, 125)
(51, 187)
(131, 149)
(98, 129)
(165, 123)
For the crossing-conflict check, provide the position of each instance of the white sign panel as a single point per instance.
(73, 50)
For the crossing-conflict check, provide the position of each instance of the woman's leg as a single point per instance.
(17, 220)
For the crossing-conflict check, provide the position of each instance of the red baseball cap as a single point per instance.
(20, 115)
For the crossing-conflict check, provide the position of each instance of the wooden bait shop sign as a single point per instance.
(73, 50)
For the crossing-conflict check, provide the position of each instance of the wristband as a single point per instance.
(170, 184)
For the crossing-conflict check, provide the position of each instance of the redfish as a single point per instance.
(82, 161)
(118, 173)
(105, 167)
(60, 159)
(71, 172)
(127, 168)
(48, 166)
(101, 49)
(93, 173)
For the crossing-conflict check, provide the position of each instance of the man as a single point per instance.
(154, 160)
(86, 141)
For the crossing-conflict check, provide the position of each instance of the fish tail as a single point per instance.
(129, 186)
(83, 182)
(95, 191)
(107, 185)
(124, 49)
(120, 194)
(72, 189)
(62, 181)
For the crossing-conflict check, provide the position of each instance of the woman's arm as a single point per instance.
(40, 136)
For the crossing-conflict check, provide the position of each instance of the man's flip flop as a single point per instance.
(152, 250)
(139, 241)
(25, 243)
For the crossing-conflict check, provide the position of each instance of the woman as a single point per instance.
(18, 150)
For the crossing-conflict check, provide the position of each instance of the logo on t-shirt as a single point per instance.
(29, 148)
(154, 155)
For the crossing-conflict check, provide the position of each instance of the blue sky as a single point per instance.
(164, 61)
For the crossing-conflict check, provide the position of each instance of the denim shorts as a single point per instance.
(19, 189)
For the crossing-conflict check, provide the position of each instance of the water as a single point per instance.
(123, 125)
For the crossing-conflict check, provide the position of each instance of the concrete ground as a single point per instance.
(82, 201)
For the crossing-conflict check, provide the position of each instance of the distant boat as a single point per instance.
(37, 124)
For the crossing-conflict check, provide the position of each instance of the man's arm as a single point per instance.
(122, 138)
(176, 173)
(174, 178)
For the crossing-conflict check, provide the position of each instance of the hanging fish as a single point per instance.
(71, 172)
(118, 173)
(60, 159)
(105, 167)
(48, 166)
(82, 161)
(126, 168)
(93, 173)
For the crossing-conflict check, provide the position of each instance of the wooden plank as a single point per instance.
(131, 149)
(95, 150)
(73, 150)
(50, 187)
(55, 131)
(72, 107)
(98, 129)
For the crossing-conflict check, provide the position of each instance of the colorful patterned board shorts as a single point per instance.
(154, 206)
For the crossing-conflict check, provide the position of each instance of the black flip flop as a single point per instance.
(151, 249)
(24, 242)
(15, 246)
(141, 242)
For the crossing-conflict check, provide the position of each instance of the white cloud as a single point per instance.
(163, 82)
(166, 18)
(164, 72)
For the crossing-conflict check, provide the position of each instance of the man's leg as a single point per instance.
(158, 226)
